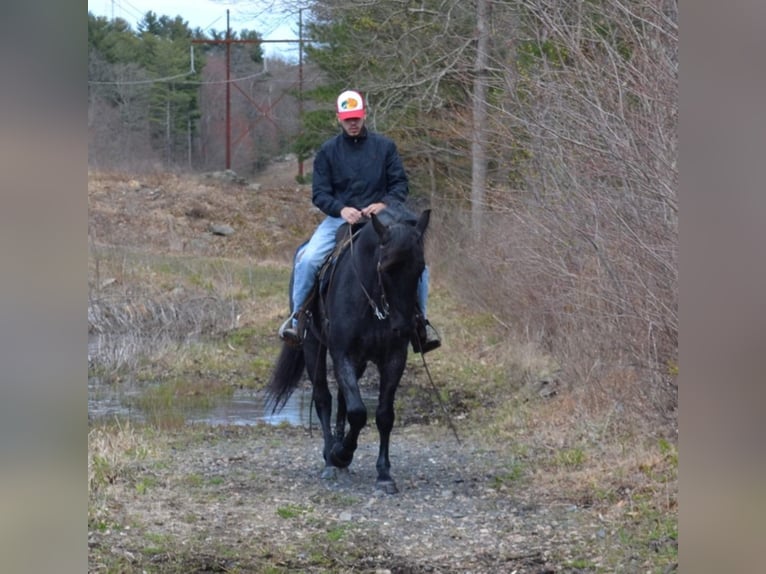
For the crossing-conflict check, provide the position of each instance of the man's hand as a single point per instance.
(351, 214)
(373, 208)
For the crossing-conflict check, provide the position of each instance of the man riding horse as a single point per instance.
(357, 173)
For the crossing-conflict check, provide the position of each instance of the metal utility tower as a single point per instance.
(228, 41)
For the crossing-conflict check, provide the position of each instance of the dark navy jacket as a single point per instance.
(356, 172)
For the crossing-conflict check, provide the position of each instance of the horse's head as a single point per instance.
(401, 243)
(400, 264)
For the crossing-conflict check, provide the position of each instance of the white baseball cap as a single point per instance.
(350, 105)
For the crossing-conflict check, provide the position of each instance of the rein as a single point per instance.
(439, 398)
(382, 315)
(379, 312)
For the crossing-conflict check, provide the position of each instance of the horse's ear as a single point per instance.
(380, 229)
(423, 220)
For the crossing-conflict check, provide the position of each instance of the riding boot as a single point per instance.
(290, 332)
(425, 338)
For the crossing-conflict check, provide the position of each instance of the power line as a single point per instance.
(136, 9)
(136, 82)
(125, 6)
(211, 23)
(192, 82)
(191, 70)
(171, 78)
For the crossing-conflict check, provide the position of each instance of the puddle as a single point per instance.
(247, 408)
(242, 408)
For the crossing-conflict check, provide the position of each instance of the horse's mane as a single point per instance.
(397, 213)
(393, 213)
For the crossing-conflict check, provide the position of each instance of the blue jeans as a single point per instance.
(310, 256)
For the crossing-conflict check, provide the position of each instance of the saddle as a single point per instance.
(344, 237)
(343, 240)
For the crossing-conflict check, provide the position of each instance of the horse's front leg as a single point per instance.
(340, 418)
(349, 396)
(390, 375)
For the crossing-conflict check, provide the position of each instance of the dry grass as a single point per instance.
(566, 450)
(587, 445)
(115, 455)
(172, 213)
(113, 451)
(560, 439)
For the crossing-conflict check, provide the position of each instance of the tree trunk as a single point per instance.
(479, 136)
(167, 131)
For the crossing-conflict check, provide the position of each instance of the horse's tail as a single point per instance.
(285, 377)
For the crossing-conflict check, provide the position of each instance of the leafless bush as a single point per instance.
(131, 315)
(174, 317)
(579, 248)
(125, 329)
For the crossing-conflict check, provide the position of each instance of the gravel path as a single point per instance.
(249, 499)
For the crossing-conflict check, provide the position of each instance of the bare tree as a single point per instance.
(118, 134)
(570, 175)
(479, 139)
(585, 244)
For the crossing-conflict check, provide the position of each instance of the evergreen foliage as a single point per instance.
(147, 75)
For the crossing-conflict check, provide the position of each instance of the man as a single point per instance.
(356, 173)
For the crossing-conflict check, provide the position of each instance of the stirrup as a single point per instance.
(425, 338)
(290, 334)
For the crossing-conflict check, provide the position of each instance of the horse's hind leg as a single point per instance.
(317, 370)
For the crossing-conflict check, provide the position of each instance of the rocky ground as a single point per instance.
(249, 499)
(547, 495)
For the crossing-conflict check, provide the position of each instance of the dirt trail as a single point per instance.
(249, 499)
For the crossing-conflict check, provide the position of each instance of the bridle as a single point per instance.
(381, 312)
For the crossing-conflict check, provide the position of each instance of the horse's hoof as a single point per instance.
(334, 473)
(386, 486)
(336, 459)
(329, 473)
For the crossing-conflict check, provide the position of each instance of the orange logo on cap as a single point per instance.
(350, 104)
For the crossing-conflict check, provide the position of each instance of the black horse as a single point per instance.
(364, 312)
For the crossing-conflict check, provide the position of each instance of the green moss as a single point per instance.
(514, 473)
(570, 458)
(669, 451)
(241, 337)
(337, 533)
(292, 511)
(144, 484)
(581, 564)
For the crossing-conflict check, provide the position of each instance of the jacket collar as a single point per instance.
(362, 135)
